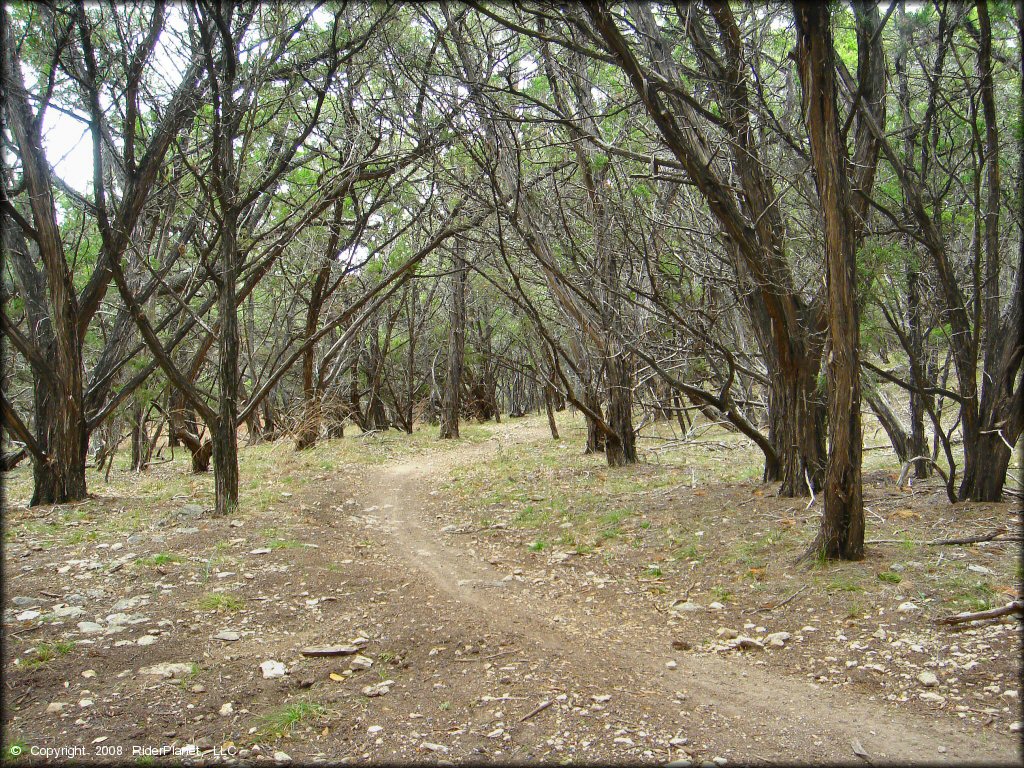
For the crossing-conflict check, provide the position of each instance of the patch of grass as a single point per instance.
(283, 544)
(532, 516)
(844, 584)
(444, 706)
(538, 546)
(721, 594)
(280, 722)
(652, 572)
(889, 577)
(14, 750)
(971, 595)
(221, 602)
(45, 652)
(160, 558)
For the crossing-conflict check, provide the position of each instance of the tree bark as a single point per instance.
(452, 398)
(842, 523)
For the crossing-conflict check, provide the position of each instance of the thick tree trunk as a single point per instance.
(842, 522)
(797, 431)
(452, 398)
(620, 449)
(62, 434)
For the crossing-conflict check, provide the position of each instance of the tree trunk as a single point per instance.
(595, 437)
(890, 423)
(451, 400)
(620, 449)
(842, 521)
(796, 431)
(549, 406)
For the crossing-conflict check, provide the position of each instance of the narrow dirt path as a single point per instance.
(737, 707)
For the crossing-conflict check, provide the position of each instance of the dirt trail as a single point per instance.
(752, 712)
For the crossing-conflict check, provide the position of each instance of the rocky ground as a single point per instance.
(500, 599)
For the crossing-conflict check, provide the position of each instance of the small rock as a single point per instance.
(360, 662)
(282, 757)
(687, 607)
(24, 602)
(1016, 727)
(716, 606)
(777, 639)
(28, 615)
(727, 634)
(679, 741)
(191, 511)
(374, 729)
(146, 640)
(330, 650)
(227, 709)
(55, 707)
(624, 741)
(86, 703)
(170, 670)
(88, 673)
(671, 664)
(1010, 694)
(907, 608)
(378, 689)
(602, 698)
(928, 679)
(748, 644)
(236, 523)
(68, 611)
(204, 743)
(198, 688)
(259, 551)
(227, 635)
(271, 669)
(941, 750)
(431, 747)
(932, 696)
(719, 760)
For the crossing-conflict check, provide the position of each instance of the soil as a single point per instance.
(497, 652)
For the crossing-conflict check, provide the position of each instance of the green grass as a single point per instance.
(45, 652)
(280, 723)
(161, 558)
(890, 577)
(220, 602)
(845, 584)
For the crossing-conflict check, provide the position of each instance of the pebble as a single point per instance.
(1016, 727)
(907, 608)
(28, 615)
(431, 747)
(375, 729)
(227, 709)
(89, 627)
(928, 679)
(227, 635)
(171, 670)
(272, 668)
(360, 662)
(932, 696)
(55, 707)
(719, 760)
(146, 640)
(671, 664)
(24, 602)
(86, 703)
(687, 607)
(378, 689)
(777, 639)
(716, 606)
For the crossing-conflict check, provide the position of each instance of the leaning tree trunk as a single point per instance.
(842, 521)
(451, 400)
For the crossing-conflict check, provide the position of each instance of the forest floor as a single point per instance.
(512, 600)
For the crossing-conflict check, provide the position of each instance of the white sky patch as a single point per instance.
(356, 254)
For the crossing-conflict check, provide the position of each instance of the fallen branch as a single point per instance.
(772, 607)
(537, 710)
(993, 536)
(1016, 607)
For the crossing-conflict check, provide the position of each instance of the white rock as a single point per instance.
(1010, 694)
(601, 699)
(719, 760)
(170, 670)
(715, 606)
(68, 611)
(928, 679)
(777, 639)
(378, 689)
(687, 607)
(28, 615)
(671, 664)
(86, 703)
(282, 757)
(227, 635)
(259, 551)
(89, 627)
(360, 662)
(932, 696)
(227, 709)
(272, 668)
(1016, 727)
(624, 741)
(146, 640)
(431, 747)
(907, 608)
(55, 707)
(375, 729)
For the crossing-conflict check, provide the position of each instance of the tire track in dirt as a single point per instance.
(734, 705)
